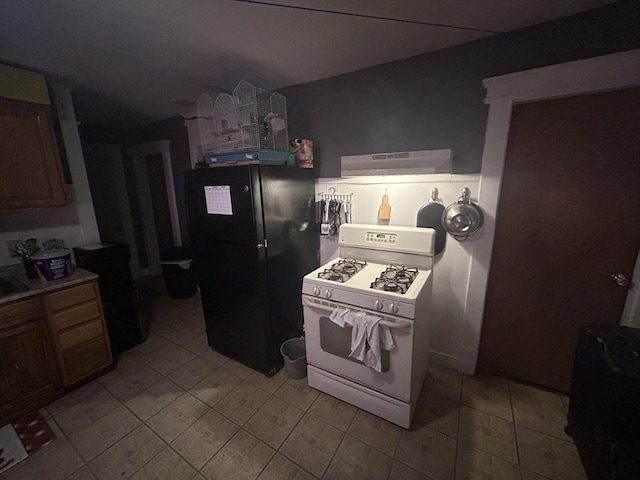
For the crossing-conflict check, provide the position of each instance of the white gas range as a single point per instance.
(385, 272)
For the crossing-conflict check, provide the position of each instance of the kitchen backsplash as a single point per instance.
(451, 267)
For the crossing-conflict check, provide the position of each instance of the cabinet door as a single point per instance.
(29, 156)
(28, 372)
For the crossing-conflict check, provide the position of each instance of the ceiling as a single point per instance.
(133, 62)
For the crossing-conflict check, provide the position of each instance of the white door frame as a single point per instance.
(609, 72)
(138, 154)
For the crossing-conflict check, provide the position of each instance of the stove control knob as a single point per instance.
(316, 291)
(378, 305)
(393, 308)
(327, 293)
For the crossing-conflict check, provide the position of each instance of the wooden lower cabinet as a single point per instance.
(29, 376)
(78, 330)
(48, 342)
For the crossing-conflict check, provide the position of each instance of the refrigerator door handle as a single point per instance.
(262, 245)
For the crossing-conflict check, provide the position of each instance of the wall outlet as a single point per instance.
(12, 252)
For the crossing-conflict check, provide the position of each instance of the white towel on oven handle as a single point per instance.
(368, 337)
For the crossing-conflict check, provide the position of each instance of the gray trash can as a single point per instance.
(294, 354)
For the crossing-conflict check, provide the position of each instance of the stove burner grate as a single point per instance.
(342, 271)
(396, 278)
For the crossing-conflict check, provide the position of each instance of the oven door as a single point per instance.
(328, 346)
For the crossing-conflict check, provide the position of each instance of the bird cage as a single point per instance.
(249, 119)
(264, 118)
(204, 106)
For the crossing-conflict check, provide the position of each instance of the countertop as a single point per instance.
(38, 286)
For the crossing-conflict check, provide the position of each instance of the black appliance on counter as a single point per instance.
(111, 262)
(604, 406)
(253, 232)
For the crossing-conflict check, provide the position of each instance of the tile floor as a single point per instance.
(174, 409)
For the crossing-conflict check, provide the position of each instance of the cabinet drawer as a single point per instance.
(86, 358)
(20, 312)
(81, 333)
(71, 296)
(76, 315)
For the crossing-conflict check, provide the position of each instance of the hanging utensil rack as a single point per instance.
(344, 199)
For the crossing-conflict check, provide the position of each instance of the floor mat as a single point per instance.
(11, 449)
(34, 432)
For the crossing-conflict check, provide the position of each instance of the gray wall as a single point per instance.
(435, 100)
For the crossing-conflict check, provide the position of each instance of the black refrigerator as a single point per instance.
(253, 231)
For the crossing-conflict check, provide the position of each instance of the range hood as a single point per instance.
(399, 163)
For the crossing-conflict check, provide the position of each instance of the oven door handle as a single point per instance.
(385, 323)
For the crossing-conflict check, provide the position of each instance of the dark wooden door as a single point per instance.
(568, 218)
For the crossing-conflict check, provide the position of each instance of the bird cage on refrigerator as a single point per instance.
(204, 106)
(264, 118)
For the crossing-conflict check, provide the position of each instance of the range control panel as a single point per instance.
(384, 238)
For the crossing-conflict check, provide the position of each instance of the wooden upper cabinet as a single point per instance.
(29, 160)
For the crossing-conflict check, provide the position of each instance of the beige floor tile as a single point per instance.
(57, 463)
(488, 433)
(191, 373)
(443, 381)
(527, 475)
(268, 384)
(183, 333)
(153, 347)
(204, 438)
(429, 452)
(399, 471)
(70, 399)
(437, 412)
(214, 357)
(356, 461)
(197, 345)
(155, 398)
(171, 360)
(83, 474)
(131, 380)
(274, 421)
(280, 468)
(486, 397)
(215, 386)
(243, 457)
(535, 393)
(312, 444)
(123, 459)
(86, 411)
(176, 417)
(545, 417)
(490, 379)
(548, 456)
(167, 465)
(101, 434)
(376, 432)
(238, 369)
(333, 411)
(242, 403)
(298, 393)
(472, 464)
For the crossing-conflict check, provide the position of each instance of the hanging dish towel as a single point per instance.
(368, 337)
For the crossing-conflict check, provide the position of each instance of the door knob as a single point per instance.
(620, 279)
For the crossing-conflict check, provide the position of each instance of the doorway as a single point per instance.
(562, 232)
(154, 209)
